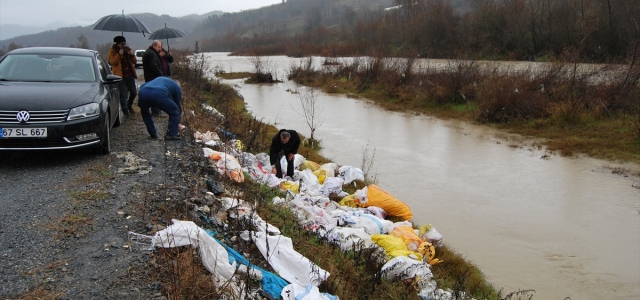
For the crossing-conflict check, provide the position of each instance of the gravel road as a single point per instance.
(65, 216)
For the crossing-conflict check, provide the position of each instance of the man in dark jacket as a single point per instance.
(285, 143)
(151, 65)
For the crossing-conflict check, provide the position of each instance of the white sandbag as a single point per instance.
(350, 238)
(330, 167)
(311, 184)
(297, 161)
(263, 158)
(309, 292)
(257, 171)
(350, 174)
(288, 263)
(376, 211)
(332, 185)
(370, 223)
(432, 236)
(403, 267)
(182, 233)
(311, 215)
(361, 196)
(226, 164)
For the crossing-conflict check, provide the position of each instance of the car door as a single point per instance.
(113, 94)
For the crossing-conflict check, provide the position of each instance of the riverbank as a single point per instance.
(346, 268)
(557, 108)
(472, 182)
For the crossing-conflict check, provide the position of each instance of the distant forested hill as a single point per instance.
(66, 36)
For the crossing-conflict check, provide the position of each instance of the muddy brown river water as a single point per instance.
(564, 227)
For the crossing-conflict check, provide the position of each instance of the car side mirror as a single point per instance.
(113, 79)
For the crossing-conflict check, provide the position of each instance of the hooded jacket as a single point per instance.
(116, 60)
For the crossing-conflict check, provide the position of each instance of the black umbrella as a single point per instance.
(122, 23)
(167, 33)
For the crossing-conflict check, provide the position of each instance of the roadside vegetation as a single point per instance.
(354, 274)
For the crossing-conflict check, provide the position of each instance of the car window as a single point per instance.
(50, 68)
(102, 66)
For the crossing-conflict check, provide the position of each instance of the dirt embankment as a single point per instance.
(66, 215)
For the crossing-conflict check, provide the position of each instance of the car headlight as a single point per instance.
(85, 111)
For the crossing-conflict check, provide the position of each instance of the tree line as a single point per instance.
(543, 30)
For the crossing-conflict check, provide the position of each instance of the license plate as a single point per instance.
(22, 132)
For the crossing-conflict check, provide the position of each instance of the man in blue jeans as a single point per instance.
(165, 94)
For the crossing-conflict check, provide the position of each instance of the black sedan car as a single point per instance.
(57, 98)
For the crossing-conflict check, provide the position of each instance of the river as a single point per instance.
(564, 227)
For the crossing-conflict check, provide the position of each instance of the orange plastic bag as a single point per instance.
(408, 236)
(381, 198)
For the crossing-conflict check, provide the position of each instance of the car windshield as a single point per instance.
(50, 68)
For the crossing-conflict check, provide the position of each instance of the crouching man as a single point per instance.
(285, 143)
(165, 94)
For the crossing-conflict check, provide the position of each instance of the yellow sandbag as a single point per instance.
(307, 164)
(424, 229)
(349, 201)
(408, 236)
(289, 185)
(407, 253)
(391, 205)
(394, 246)
(429, 252)
(322, 174)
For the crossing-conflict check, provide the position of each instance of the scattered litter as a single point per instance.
(134, 164)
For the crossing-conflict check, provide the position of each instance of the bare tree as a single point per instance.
(310, 111)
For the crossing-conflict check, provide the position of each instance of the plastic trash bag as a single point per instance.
(214, 186)
(208, 138)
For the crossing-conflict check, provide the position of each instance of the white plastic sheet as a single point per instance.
(300, 292)
(288, 263)
(186, 233)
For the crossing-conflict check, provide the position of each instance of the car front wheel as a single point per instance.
(105, 140)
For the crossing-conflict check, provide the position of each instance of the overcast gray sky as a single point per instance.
(87, 12)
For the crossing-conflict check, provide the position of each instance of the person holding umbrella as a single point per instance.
(123, 64)
(152, 66)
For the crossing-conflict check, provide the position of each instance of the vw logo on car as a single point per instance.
(22, 116)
